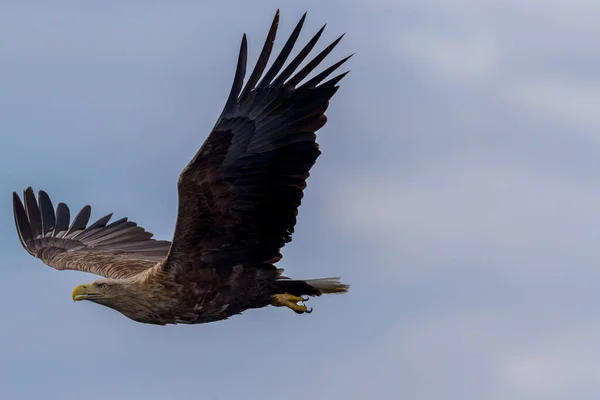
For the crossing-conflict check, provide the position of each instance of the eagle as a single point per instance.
(238, 201)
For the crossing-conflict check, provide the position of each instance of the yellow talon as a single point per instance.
(285, 298)
(289, 301)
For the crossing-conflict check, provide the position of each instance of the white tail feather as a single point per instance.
(328, 285)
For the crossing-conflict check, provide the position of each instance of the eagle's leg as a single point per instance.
(289, 301)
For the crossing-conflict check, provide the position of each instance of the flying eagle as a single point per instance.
(238, 203)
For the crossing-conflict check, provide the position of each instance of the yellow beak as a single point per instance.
(84, 292)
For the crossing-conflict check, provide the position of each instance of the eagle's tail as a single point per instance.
(328, 285)
(312, 287)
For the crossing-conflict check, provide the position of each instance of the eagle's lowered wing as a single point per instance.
(116, 250)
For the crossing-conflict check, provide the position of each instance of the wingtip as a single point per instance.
(336, 41)
(276, 19)
(244, 48)
(342, 76)
(343, 60)
(17, 200)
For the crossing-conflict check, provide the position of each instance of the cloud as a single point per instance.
(466, 202)
(474, 355)
(456, 193)
(454, 57)
(560, 363)
(573, 104)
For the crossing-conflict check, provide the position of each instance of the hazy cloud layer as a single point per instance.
(458, 192)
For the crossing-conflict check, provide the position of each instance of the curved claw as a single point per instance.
(291, 302)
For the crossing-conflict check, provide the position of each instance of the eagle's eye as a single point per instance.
(101, 286)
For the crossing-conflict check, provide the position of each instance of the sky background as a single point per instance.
(458, 193)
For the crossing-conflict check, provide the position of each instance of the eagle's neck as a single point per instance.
(145, 297)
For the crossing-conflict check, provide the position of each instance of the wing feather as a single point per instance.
(312, 64)
(79, 222)
(263, 59)
(31, 208)
(63, 216)
(283, 55)
(47, 213)
(115, 250)
(289, 70)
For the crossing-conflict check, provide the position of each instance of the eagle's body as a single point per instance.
(238, 202)
(153, 297)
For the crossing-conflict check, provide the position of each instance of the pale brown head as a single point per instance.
(140, 302)
(101, 291)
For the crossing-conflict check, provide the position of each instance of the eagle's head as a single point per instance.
(131, 297)
(101, 291)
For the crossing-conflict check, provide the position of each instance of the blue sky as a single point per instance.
(458, 192)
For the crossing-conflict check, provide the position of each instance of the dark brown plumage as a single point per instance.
(238, 203)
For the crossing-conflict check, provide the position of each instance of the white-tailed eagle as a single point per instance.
(238, 203)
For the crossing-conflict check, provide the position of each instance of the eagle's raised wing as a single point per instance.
(239, 195)
(116, 250)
